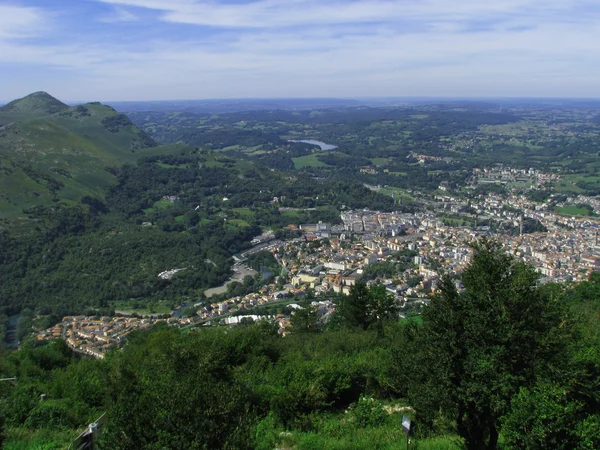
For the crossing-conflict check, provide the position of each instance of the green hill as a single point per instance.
(51, 152)
(36, 104)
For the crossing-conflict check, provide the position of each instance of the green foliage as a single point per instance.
(546, 417)
(263, 259)
(365, 307)
(305, 320)
(53, 153)
(384, 269)
(178, 393)
(564, 412)
(115, 123)
(246, 387)
(368, 412)
(478, 348)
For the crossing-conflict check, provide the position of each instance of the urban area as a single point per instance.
(406, 252)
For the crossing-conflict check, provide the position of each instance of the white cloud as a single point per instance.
(365, 48)
(19, 21)
(283, 13)
(119, 15)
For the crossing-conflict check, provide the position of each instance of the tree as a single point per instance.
(353, 310)
(478, 348)
(365, 307)
(304, 320)
(383, 306)
(564, 413)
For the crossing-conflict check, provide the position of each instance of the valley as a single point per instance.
(300, 281)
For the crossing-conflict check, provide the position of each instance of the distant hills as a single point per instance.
(51, 152)
(225, 106)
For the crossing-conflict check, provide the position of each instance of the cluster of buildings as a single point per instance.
(94, 336)
(500, 174)
(378, 222)
(568, 251)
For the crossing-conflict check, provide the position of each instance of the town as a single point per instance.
(405, 252)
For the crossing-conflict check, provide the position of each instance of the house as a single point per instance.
(279, 295)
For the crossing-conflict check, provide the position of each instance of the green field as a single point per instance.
(379, 162)
(244, 212)
(161, 204)
(455, 222)
(308, 161)
(400, 194)
(572, 211)
(238, 223)
(171, 166)
(148, 308)
(567, 187)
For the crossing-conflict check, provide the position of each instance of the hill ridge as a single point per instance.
(52, 152)
(36, 102)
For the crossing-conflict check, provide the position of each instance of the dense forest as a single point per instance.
(193, 211)
(503, 363)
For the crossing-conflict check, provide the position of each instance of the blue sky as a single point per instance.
(193, 49)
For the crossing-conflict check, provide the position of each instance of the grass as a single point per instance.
(567, 187)
(42, 439)
(244, 212)
(308, 161)
(417, 319)
(240, 223)
(379, 162)
(400, 194)
(291, 213)
(144, 308)
(161, 204)
(173, 166)
(350, 430)
(455, 222)
(70, 148)
(572, 211)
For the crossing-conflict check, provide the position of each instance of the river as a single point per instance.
(323, 145)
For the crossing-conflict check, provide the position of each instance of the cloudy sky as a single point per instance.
(193, 49)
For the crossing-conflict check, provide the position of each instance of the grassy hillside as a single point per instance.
(34, 105)
(51, 152)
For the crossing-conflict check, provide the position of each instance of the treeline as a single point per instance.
(503, 360)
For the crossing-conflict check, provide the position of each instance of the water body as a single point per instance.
(11, 332)
(323, 145)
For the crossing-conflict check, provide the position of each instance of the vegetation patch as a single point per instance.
(308, 161)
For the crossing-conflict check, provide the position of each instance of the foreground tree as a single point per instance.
(477, 348)
(564, 413)
(305, 319)
(366, 307)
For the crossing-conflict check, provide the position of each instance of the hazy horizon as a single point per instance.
(366, 99)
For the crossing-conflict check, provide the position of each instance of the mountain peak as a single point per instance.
(39, 102)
